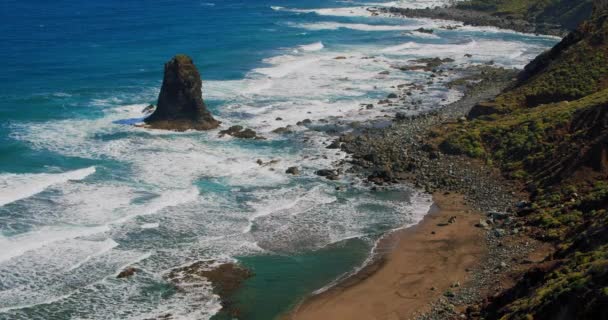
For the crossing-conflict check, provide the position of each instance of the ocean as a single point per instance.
(84, 194)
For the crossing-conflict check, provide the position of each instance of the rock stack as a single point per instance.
(180, 102)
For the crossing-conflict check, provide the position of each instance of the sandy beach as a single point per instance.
(425, 262)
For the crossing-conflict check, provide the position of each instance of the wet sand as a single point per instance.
(420, 264)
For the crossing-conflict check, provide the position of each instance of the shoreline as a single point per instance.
(478, 19)
(444, 253)
(479, 190)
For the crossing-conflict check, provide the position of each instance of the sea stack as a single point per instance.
(180, 102)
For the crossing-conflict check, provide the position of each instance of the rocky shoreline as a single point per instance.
(405, 152)
(477, 18)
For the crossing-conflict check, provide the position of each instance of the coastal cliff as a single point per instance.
(550, 132)
(556, 17)
(180, 103)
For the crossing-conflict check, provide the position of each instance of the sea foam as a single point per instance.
(14, 187)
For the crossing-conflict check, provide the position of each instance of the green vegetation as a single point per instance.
(567, 13)
(521, 141)
(551, 132)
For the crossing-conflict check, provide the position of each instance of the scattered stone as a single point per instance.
(499, 232)
(483, 224)
(499, 215)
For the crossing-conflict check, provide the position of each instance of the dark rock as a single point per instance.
(246, 134)
(127, 272)
(149, 109)
(402, 116)
(293, 170)
(335, 145)
(232, 130)
(327, 173)
(381, 176)
(240, 132)
(282, 130)
(423, 30)
(180, 102)
(226, 279)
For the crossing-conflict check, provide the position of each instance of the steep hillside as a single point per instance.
(573, 69)
(551, 131)
(567, 13)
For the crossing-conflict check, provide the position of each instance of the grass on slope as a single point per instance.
(551, 132)
(567, 13)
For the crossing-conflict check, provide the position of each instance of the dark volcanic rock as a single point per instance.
(328, 173)
(293, 170)
(226, 279)
(180, 103)
(127, 272)
(335, 145)
(240, 132)
(282, 130)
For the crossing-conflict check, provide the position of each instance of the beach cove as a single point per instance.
(84, 194)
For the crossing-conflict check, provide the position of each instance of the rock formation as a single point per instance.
(180, 103)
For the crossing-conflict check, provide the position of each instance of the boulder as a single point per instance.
(335, 145)
(282, 130)
(240, 132)
(293, 170)
(180, 102)
(127, 272)
(328, 173)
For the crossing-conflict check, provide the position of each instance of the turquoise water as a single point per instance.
(83, 194)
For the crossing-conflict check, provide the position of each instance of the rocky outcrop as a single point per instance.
(242, 133)
(127, 272)
(226, 279)
(180, 103)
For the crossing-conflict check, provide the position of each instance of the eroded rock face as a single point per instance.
(180, 102)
